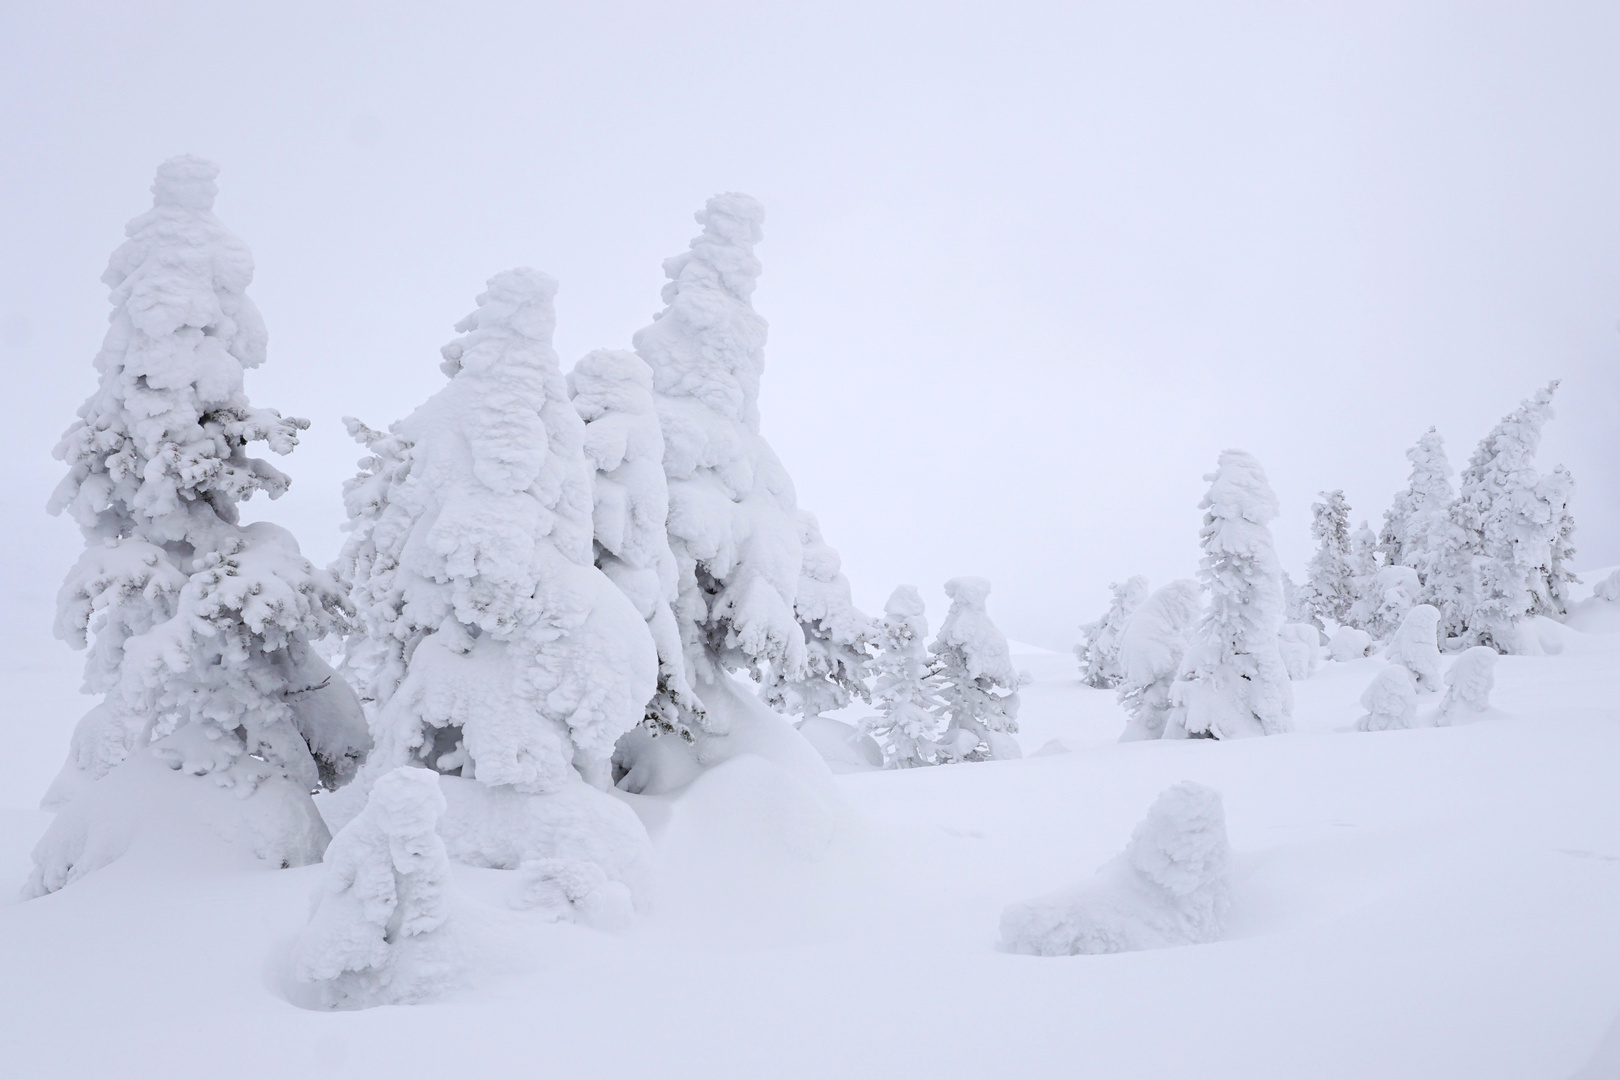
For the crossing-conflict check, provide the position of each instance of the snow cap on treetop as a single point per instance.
(904, 602)
(1238, 488)
(186, 182)
(515, 304)
(968, 590)
(734, 217)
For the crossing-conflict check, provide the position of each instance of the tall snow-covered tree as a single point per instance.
(977, 680)
(1330, 579)
(905, 686)
(1098, 652)
(1150, 654)
(1414, 524)
(1233, 681)
(1364, 579)
(493, 648)
(1516, 529)
(612, 391)
(202, 626)
(740, 544)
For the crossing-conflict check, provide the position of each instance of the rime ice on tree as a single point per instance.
(1150, 653)
(1330, 581)
(1391, 701)
(905, 686)
(1469, 682)
(1099, 652)
(1232, 682)
(977, 681)
(201, 626)
(1414, 524)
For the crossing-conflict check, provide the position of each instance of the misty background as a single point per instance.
(1028, 269)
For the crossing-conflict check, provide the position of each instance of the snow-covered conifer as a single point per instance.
(905, 687)
(1390, 701)
(496, 649)
(1415, 522)
(1469, 682)
(1415, 646)
(836, 635)
(1099, 651)
(977, 680)
(1150, 654)
(1170, 886)
(1522, 520)
(202, 626)
(1330, 578)
(378, 932)
(1390, 594)
(740, 544)
(612, 391)
(1301, 647)
(1232, 681)
(1368, 597)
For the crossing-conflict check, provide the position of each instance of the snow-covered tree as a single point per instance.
(1469, 682)
(745, 592)
(1415, 646)
(1150, 653)
(905, 687)
(612, 391)
(1098, 652)
(1364, 580)
(202, 626)
(493, 647)
(1391, 701)
(836, 635)
(1301, 648)
(1389, 594)
(1170, 886)
(1330, 579)
(977, 680)
(1232, 681)
(1521, 527)
(1414, 524)
(378, 932)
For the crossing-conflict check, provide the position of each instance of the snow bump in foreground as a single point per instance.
(1168, 887)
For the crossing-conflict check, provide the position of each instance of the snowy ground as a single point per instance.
(1428, 904)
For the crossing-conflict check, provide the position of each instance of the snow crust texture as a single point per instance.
(1169, 887)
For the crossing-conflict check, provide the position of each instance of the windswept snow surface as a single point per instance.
(1429, 904)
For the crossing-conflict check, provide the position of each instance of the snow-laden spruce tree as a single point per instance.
(905, 686)
(493, 649)
(977, 680)
(1469, 682)
(378, 933)
(1364, 580)
(1415, 646)
(1098, 652)
(1330, 576)
(1232, 681)
(1415, 523)
(746, 595)
(1170, 886)
(1517, 528)
(1390, 701)
(201, 626)
(1150, 654)
(612, 391)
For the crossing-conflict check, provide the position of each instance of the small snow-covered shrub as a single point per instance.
(1232, 681)
(977, 681)
(1099, 651)
(1348, 643)
(378, 933)
(1391, 592)
(1469, 683)
(1415, 646)
(1301, 647)
(1608, 588)
(1150, 653)
(1391, 701)
(574, 892)
(1169, 887)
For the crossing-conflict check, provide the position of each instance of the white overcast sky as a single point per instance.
(1028, 269)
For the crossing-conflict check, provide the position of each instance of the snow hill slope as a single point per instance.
(1425, 904)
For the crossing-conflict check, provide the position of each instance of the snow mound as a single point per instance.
(1169, 887)
(574, 892)
(844, 746)
(378, 933)
(1391, 700)
(1469, 684)
(1348, 643)
(1416, 646)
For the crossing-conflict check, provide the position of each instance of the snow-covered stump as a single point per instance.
(1469, 683)
(1150, 654)
(1099, 652)
(378, 935)
(1416, 646)
(1169, 887)
(1391, 701)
